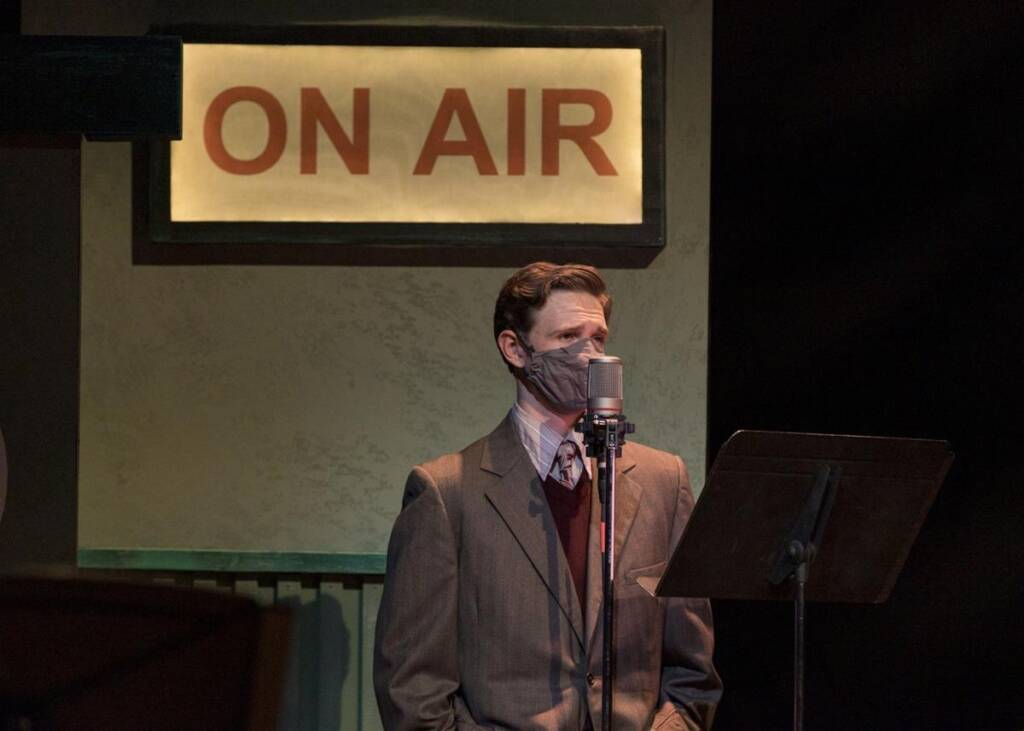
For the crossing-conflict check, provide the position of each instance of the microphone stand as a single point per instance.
(604, 436)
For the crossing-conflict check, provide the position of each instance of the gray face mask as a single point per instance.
(560, 374)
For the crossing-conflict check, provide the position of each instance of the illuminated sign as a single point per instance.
(505, 129)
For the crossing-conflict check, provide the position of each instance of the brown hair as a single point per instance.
(528, 289)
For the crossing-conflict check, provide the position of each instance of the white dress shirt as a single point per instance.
(541, 443)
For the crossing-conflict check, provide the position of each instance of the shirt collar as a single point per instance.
(541, 441)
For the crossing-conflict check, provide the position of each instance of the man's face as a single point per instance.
(566, 317)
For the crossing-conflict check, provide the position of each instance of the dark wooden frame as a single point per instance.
(156, 240)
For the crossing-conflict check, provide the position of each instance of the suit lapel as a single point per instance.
(627, 499)
(518, 496)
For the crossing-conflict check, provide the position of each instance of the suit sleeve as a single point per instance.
(690, 686)
(415, 670)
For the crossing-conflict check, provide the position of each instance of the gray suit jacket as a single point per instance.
(480, 626)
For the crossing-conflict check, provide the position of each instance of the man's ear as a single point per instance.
(511, 348)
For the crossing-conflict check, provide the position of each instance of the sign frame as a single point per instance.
(157, 240)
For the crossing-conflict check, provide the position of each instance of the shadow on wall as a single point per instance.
(329, 683)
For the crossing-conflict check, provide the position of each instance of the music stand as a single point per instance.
(775, 502)
(86, 654)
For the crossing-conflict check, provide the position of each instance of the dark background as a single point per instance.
(866, 275)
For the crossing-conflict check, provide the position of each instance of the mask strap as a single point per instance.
(522, 341)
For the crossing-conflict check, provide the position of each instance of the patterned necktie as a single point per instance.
(562, 470)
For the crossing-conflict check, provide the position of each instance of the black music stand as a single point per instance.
(775, 502)
(85, 654)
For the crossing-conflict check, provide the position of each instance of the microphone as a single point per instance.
(604, 386)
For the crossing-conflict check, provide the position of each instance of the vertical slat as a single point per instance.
(225, 584)
(210, 583)
(300, 702)
(287, 593)
(340, 650)
(264, 595)
(371, 595)
(207, 584)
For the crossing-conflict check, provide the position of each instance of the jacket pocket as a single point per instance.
(647, 577)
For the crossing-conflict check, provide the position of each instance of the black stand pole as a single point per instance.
(794, 563)
(606, 482)
(604, 437)
(798, 649)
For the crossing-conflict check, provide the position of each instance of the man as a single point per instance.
(491, 613)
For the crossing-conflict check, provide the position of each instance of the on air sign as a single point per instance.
(392, 129)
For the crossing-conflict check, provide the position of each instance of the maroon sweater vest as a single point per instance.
(571, 510)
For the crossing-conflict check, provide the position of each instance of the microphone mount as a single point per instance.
(603, 432)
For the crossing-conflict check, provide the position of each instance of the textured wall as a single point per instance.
(280, 408)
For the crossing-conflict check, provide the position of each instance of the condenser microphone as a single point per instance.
(604, 386)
